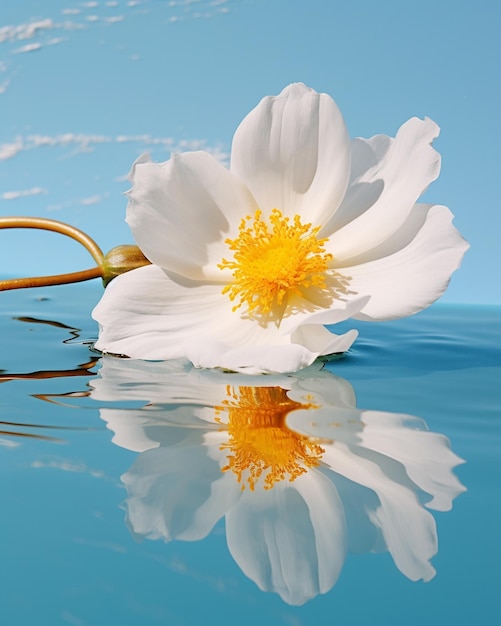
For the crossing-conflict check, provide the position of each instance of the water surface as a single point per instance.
(105, 465)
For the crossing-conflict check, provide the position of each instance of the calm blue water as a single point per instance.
(85, 520)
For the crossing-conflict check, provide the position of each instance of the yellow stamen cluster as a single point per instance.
(259, 442)
(272, 261)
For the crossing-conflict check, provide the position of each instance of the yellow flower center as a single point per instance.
(259, 442)
(272, 261)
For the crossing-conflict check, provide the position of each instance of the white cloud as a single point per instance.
(9, 150)
(36, 29)
(182, 3)
(60, 206)
(33, 30)
(14, 195)
(93, 199)
(88, 143)
(29, 47)
(55, 40)
(68, 25)
(145, 139)
(24, 31)
(89, 201)
(83, 142)
(4, 86)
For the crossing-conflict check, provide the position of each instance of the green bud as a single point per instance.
(122, 259)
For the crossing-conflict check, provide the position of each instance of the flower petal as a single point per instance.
(180, 212)
(406, 166)
(338, 311)
(145, 314)
(250, 359)
(398, 240)
(411, 279)
(293, 152)
(290, 540)
(363, 190)
(322, 341)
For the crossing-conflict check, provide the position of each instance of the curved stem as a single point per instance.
(47, 281)
(58, 279)
(57, 227)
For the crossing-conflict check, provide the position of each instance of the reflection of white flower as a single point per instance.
(306, 228)
(300, 475)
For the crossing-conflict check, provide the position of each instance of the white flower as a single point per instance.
(306, 228)
(299, 474)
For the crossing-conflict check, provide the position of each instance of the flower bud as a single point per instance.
(122, 259)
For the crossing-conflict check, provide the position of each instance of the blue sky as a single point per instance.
(85, 87)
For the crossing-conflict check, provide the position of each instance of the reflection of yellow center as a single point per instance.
(259, 441)
(272, 263)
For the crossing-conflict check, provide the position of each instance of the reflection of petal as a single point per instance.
(408, 530)
(142, 429)
(301, 475)
(177, 492)
(329, 390)
(426, 456)
(128, 379)
(177, 382)
(290, 540)
(328, 423)
(129, 429)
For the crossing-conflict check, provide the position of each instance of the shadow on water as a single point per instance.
(81, 370)
(40, 431)
(18, 430)
(74, 332)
